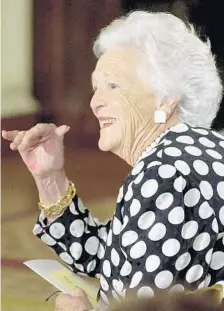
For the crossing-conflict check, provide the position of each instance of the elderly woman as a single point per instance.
(156, 91)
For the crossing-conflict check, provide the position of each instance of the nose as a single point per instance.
(96, 104)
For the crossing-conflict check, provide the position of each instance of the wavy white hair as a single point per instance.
(173, 60)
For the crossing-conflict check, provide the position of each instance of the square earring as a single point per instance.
(159, 116)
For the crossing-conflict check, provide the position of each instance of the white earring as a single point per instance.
(159, 116)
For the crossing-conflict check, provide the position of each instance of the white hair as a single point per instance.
(175, 63)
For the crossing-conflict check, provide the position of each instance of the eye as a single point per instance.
(113, 86)
(94, 89)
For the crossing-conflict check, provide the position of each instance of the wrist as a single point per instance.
(51, 188)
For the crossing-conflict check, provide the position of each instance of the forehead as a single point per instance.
(119, 61)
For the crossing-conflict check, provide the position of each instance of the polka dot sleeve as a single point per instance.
(77, 237)
(173, 230)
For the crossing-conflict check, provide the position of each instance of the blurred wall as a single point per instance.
(17, 80)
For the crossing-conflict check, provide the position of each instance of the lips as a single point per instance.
(106, 122)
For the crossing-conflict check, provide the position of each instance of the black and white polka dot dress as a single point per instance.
(167, 232)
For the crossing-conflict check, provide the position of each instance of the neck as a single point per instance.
(143, 139)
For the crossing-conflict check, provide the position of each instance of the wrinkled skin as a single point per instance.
(120, 94)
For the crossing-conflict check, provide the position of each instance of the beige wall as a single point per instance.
(16, 47)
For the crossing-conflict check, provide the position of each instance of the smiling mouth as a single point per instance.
(106, 122)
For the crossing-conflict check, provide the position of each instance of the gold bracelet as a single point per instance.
(57, 208)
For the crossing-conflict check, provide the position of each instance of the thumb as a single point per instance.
(78, 292)
(62, 130)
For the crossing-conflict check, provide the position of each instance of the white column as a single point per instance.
(16, 33)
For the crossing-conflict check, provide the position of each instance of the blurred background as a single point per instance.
(47, 61)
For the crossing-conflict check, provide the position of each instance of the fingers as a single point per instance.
(9, 135)
(78, 292)
(17, 141)
(62, 130)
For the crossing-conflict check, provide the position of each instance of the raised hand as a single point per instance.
(41, 147)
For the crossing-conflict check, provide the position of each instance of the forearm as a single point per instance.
(52, 188)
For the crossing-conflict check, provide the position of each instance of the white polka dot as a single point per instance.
(171, 247)
(129, 193)
(138, 179)
(183, 261)
(206, 142)
(221, 143)
(179, 184)
(167, 142)
(62, 246)
(201, 167)
(215, 226)
(116, 226)
(221, 215)
(200, 131)
(194, 273)
(214, 154)
(102, 233)
(220, 189)
(185, 140)
(47, 239)
(138, 250)
(77, 228)
(152, 263)
(76, 250)
(73, 209)
(219, 135)
(109, 238)
(91, 266)
(159, 154)
(135, 207)
(205, 210)
(126, 269)
(176, 215)
(157, 232)
(104, 297)
(166, 171)
(164, 200)
(149, 188)
(164, 279)
(208, 256)
(178, 288)
(107, 268)
(120, 194)
(137, 169)
(136, 279)
(103, 283)
(218, 168)
(183, 167)
(192, 197)
(145, 291)
(129, 237)
(115, 258)
(101, 252)
(91, 245)
(66, 258)
(125, 222)
(57, 230)
(189, 229)
(118, 285)
(201, 241)
(206, 189)
(81, 206)
(154, 163)
(193, 151)
(79, 267)
(179, 128)
(173, 151)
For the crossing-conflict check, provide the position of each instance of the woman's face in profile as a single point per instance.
(121, 102)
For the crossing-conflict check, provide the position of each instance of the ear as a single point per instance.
(168, 106)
